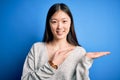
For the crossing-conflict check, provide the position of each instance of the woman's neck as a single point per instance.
(60, 43)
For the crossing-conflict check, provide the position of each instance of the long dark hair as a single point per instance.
(48, 36)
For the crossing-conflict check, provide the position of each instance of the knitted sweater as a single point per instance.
(75, 67)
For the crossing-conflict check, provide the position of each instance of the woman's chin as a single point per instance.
(60, 37)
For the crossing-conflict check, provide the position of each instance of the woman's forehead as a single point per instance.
(60, 14)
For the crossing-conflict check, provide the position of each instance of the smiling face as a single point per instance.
(60, 25)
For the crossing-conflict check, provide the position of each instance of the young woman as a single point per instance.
(59, 56)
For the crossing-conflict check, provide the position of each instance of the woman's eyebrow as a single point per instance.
(57, 19)
(53, 19)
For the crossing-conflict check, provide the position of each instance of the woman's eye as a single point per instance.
(64, 21)
(53, 22)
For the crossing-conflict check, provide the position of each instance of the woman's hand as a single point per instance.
(96, 54)
(60, 55)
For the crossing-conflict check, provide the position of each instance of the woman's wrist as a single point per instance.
(53, 65)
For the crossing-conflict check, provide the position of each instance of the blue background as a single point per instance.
(97, 25)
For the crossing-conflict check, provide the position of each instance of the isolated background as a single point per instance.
(97, 25)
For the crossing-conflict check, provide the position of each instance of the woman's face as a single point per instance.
(60, 24)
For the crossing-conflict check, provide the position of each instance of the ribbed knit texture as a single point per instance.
(75, 67)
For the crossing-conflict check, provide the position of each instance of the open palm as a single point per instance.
(96, 54)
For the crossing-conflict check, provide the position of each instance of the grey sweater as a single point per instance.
(75, 67)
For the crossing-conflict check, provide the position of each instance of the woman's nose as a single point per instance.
(59, 25)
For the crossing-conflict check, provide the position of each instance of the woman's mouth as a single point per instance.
(59, 32)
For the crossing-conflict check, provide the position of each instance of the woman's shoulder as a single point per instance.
(80, 49)
(38, 45)
(37, 50)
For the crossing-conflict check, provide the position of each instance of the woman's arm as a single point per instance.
(82, 69)
(31, 73)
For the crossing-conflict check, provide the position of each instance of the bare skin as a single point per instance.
(60, 55)
(59, 48)
(96, 54)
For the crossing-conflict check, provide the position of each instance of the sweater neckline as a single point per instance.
(71, 52)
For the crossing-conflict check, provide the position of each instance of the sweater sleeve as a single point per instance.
(82, 68)
(31, 73)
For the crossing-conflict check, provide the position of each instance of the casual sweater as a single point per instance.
(75, 66)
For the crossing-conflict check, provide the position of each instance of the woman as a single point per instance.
(59, 56)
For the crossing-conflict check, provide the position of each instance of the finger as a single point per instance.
(66, 50)
(96, 54)
(103, 53)
(61, 51)
(99, 54)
